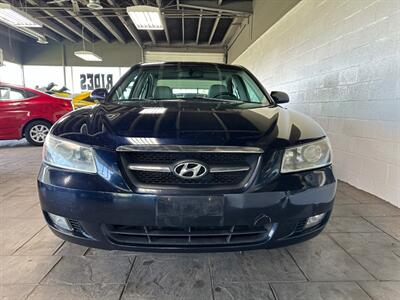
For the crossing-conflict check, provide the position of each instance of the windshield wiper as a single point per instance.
(205, 99)
(212, 99)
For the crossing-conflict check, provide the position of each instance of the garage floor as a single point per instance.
(357, 256)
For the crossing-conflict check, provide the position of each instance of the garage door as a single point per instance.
(155, 56)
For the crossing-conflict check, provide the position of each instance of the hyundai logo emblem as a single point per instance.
(190, 169)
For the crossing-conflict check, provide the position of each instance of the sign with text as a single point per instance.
(90, 78)
(91, 81)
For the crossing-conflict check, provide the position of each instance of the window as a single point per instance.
(145, 91)
(29, 94)
(186, 82)
(253, 93)
(125, 90)
(7, 93)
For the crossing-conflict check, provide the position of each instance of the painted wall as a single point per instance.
(11, 48)
(113, 54)
(340, 63)
(265, 14)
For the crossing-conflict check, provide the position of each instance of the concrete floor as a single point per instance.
(357, 256)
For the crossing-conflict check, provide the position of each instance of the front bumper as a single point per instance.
(93, 206)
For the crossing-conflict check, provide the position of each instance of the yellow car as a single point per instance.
(82, 99)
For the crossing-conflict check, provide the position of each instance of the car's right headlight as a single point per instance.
(69, 155)
(307, 156)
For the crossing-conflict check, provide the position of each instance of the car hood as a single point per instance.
(187, 123)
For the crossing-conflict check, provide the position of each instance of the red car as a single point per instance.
(28, 113)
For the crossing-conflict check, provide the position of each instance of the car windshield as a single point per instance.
(189, 83)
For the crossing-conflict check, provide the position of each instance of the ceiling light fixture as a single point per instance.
(88, 55)
(94, 4)
(145, 17)
(42, 40)
(16, 18)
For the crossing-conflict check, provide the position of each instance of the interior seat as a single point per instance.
(216, 89)
(163, 92)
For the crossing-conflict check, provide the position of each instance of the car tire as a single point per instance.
(35, 132)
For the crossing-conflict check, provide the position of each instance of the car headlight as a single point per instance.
(69, 155)
(308, 156)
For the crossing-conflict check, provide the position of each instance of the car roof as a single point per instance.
(189, 64)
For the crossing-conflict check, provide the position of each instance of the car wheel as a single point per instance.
(36, 131)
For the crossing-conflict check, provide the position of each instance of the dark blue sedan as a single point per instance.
(186, 157)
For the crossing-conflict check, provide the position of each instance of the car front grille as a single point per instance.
(171, 157)
(229, 168)
(153, 236)
(162, 179)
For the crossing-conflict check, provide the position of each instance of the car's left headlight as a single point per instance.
(307, 156)
(69, 155)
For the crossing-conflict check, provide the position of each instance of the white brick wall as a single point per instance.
(340, 63)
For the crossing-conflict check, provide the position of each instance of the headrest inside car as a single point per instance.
(163, 92)
(216, 89)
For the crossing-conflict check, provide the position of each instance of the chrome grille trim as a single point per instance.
(167, 169)
(225, 169)
(188, 148)
(149, 168)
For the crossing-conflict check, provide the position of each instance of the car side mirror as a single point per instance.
(99, 95)
(280, 97)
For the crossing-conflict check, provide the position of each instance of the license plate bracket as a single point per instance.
(190, 211)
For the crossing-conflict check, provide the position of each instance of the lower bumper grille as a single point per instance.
(187, 236)
(76, 226)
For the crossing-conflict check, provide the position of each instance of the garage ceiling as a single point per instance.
(202, 23)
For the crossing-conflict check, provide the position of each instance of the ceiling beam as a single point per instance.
(234, 7)
(232, 29)
(29, 32)
(9, 33)
(163, 21)
(183, 26)
(50, 34)
(92, 28)
(188, 45)
(35, 33)
(199, 26)
(129, 27)
(214, 28)
(59, 17)
(89, 26)
(150, 32)
(52, 26)
(107, 24)
(56, 28)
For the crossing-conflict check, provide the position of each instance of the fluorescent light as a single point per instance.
(15, 17)
(94, 4)
(42, 40)
(88, 55)
(145, 17)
